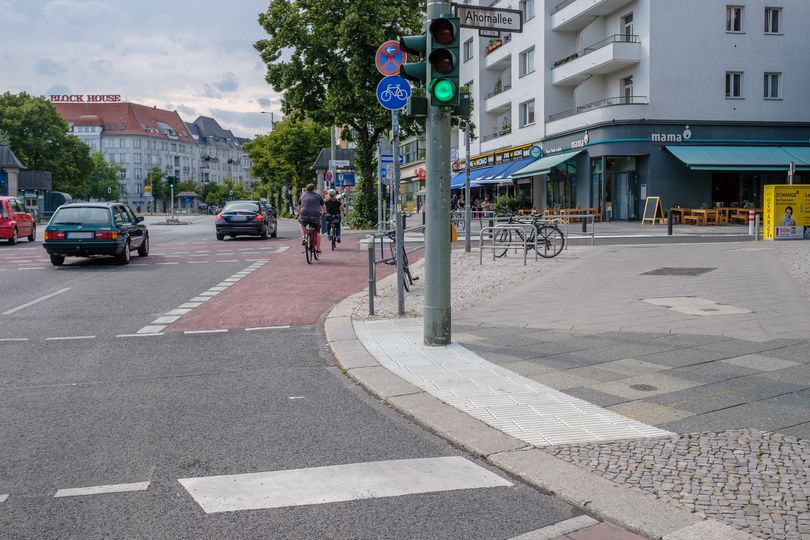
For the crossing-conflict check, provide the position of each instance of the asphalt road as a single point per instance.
(238, 381)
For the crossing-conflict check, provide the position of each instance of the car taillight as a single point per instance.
(54, 235)
(258, 217)
(106, 235)
(219, 217)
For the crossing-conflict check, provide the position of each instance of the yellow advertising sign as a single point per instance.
(786, 212)
(147, 190)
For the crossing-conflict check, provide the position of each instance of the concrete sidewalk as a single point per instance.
(699, 351)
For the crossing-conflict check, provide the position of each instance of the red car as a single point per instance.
(15, 221)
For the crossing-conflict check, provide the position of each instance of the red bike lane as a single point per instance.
(286, 290)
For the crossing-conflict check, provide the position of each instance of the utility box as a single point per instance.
(786, 212)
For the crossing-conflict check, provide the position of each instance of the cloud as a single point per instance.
(229, 83)
(46, 66)
(58, 89)
(104, 67)
(186, 111)
(265, 103)
(243, 122)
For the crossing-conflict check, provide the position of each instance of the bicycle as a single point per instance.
(551, 238)
(333, 223)
(407, 279)
(310, 234)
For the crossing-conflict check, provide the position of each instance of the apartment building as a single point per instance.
(699, 102)
(221, 153)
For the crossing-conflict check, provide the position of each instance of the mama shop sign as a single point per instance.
(85, 98)
(672, 137)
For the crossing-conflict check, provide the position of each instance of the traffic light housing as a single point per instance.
(445, 33)
(414, 46)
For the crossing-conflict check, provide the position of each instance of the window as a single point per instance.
(733, 84)
(527, 62)
(137, 158)
(734, 18)
(627, 24)
(468, 50)
(772, 20)
(627, 88)
(137, 143)
(137, 174)
(527, 8)
(527, 113)
(772, 85)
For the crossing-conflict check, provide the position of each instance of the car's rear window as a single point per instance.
(81, 215)
(249, 206)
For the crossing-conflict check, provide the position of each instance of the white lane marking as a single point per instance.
(559, 529)
(151, 334)
(200, 299)
(168, 263)
(198, 262)
(180, 311)
(2, 340)
(166, 320)
(228, 260)
(152, 329)
(320, 485)
(67, 338)
(188, 306)
(217, 289)
(266, 328)
(220, 331)
(209, 293)
(31, 268)
(95, 490)
(3, 497)
(37, 301)
(233, 279)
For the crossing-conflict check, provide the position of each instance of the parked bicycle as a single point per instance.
(550, 239)
(407, 279)
(309, 243)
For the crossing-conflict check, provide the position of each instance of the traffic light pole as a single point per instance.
(437, 222)
(467, 201)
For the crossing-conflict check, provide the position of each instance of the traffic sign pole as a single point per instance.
(437, 221)
(398, 222)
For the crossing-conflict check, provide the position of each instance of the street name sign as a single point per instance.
(393, 92)
(389, 57)
(503, 20)
(338, 163)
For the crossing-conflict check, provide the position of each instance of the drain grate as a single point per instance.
(643, 387)
(675, 271)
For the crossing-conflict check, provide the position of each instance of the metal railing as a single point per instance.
(615, 38)
(562, 221)
(497, 91)
(498, 133)
(607, 102)
(520, 240)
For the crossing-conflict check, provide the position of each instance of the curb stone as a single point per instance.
(599, 497)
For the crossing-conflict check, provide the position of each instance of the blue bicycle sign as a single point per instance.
(393, 92)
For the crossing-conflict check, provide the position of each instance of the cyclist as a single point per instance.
(310, 208)
(334, 210)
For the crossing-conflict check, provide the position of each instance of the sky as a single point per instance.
(195, 57)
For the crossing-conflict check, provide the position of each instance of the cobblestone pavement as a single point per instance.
(757, 481)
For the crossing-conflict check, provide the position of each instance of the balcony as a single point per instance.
(500, 100)
(612, 54)
(499, 56)
(604, 110)
(498, 133)
(574, 15)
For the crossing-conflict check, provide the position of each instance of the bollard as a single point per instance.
(756, 229)
(669, 223)
(423, 218)
(751, 218)
(371, 277)
(584, 225)
(491, 224)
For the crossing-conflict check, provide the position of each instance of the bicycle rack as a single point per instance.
(522, 232)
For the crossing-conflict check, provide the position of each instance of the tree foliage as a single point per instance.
(229, 189)
(38, 137)
(103, 182)
(283, 158)
(320, 53)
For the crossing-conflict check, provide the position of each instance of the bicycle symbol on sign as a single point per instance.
(393, 91)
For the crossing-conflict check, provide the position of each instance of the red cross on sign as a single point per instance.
(389, 57)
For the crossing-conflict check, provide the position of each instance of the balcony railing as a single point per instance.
(615, 38)
(562, 5)
(498, 133)
(608, 102)
(499, 90)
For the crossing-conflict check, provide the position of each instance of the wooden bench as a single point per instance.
(697, 220)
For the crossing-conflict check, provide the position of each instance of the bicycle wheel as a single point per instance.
(333, 237)
(550, 241)
(502, 237)
(314, 250)
(308, 247)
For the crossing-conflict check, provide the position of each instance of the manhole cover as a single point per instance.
(674, 271)
(643, 387)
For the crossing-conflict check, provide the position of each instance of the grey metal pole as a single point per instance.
(400, 233)
(467, 202)
(379, 191)
(437, 225)
(372, 278)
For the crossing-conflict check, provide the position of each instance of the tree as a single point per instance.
(330, 76)
(103, 183)
(283, 158)
(160, 191)
(38, 136)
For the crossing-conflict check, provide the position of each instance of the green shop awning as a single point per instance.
(741, 158)
(544, 165)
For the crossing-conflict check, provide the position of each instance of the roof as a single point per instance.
(208, 131)
(124, 118)
(341, 154)
(742, 158)
(186, 194)
(8, 160)
(31, 180)
(91, 204)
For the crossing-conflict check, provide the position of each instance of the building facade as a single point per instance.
(221, 153)
(618, 86)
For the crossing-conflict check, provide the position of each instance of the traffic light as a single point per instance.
(416, 46)
(171, 181)
(444, 68)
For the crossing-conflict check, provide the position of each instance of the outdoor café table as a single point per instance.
(698, 215)
(679, 213)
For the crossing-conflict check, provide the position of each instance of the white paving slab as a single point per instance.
(517, 405)
(321, 485)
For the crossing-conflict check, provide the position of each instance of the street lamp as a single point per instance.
(272, 118)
